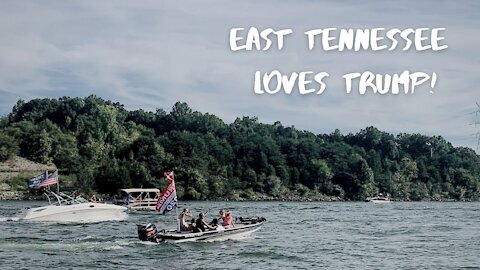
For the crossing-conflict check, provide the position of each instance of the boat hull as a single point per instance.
(381, 201)
(76, 213)
(223, 235)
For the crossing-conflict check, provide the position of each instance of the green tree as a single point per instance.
(103, 147)
(8, 147)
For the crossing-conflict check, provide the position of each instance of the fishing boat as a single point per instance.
(65, 208)
(167, 202)
(138, 199)
(242, 228)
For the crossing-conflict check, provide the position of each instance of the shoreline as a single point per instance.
(27, 196)
(19, 196)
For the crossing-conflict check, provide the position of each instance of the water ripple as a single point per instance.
(298, 235)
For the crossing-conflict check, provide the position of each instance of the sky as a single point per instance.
(151, 54)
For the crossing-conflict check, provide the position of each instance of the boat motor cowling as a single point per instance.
(147, 232)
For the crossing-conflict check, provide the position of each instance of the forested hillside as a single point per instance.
(100, 146)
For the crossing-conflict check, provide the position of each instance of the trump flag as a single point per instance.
(168, 199)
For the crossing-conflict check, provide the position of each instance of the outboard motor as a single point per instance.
(251, 220)
(147, 232)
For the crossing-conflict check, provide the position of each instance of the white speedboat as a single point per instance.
(68, 209)
(243, 228)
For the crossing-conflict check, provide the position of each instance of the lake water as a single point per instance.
(297, 235)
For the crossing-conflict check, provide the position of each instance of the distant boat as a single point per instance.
(138, 198)
(378, 199)
(70, 209)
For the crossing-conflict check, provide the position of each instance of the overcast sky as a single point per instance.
(150, 54)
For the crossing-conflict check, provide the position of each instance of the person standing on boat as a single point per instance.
(201, 225)
(182, 218)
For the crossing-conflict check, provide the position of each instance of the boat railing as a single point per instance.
(62, 198)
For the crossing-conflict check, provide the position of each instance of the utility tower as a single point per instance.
(477, 113)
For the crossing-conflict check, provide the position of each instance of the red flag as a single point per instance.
(168, 199)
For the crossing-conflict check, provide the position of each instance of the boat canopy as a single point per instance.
(131, 190)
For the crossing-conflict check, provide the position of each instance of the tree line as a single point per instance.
(100, 146)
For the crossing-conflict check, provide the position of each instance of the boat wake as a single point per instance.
(84, 243)
(4, 219)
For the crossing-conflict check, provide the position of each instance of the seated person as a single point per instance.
(201, 225)
(182, 219)
(221, 214)
(228, 220)
(214, 222)
(191, 226)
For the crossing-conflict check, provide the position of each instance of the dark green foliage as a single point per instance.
(8, 146)
(103, 147)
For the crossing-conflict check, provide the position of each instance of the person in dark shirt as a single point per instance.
(192, 225)
(201, 225)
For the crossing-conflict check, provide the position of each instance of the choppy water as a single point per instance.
(298, 235)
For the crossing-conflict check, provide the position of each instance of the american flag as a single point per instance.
(37, 180)
(51, 179)
(167, 201)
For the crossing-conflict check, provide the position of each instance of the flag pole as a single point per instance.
(58, 183)
(176, 206)
(178, 218)
(45, 179)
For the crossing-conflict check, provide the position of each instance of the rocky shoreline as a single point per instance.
(19, 196)
(8, 195)
(16, 170)
(11, 196)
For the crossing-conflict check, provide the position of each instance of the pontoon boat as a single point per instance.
(138, 198)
